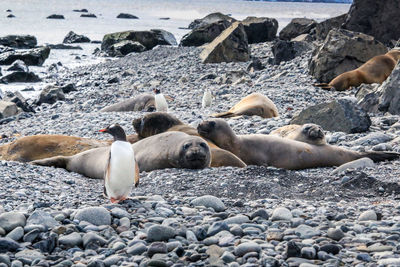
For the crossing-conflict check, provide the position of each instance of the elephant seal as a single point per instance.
(267, 150)
(308, 133)
(159, 122)
(165, 150)
(253, 104)
(143, 102)
(42, 146)
(375, 70)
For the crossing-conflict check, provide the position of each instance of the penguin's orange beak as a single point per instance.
(103, 130)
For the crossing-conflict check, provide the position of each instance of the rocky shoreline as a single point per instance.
(253, 216)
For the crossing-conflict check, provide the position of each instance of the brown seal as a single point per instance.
(268, 150)
(165, 150)
(143, 102)
(253, 104)
(308, 133)
(375, 70)
(42, 146)
(159, 122)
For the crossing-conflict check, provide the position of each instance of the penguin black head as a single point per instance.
(116, 131)
(156, 91)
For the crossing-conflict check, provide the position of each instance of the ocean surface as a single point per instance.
(30, 18)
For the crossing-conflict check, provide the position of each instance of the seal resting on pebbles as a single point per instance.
(143, 102)
(308, 133)
(253, 104)
(161, 151)
(268, 150)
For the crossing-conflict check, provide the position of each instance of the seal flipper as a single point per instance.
(378, 156)
(226, 114)
(324, 86)
(57, 161)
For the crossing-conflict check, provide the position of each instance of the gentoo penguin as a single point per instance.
(161, 103)
(122, 171)
(207, 98)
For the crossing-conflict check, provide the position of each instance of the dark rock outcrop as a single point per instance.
(343, 51)
(19, 100)
(19, 41)
(55, 16)
(260, 30)
(126, 16)
(147, 38)
(20, 77)
(376, 18)
(230, 46)
(204, 34)
(125, 47)
(65, 47)
(10, 16)
(72, 38)
(288, 50)
(210, 18)
(18, 65)
(83, 10)
(50, 94)
(31, 57)
(323, 28)
(390, 91)
(296, 27)
(89, 15)
(342, 115)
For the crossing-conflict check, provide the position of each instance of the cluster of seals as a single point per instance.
(269, 150)
(143, 102)
(253, 104)
(375, 70)
(165, 150)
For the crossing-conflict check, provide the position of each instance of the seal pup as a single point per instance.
(161, 151)
(42, 146)
(122, 171)
(308, 133)
(268, 150)
(142, 102)
(375, 70)
(253, 104)
(160, 102)
(207, 99)
(159, 122)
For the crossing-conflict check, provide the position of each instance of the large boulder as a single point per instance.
(31, 57)
(390, 91)
(209, 19)
(50, 95)
(377, 18)
(288, 50)
(20, 77)
(323, 28)
(296, 27)
(126, 16)
(260, 30)
(19, 41)
(125, 47)
(7, 109)
(343, 51)
(17, 98)
(342, 115)
(230, 46)
(147, 38)
(204, 34)
(72, 38)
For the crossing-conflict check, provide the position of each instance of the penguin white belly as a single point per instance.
(207, 98)
(161, 103)
(121, 173)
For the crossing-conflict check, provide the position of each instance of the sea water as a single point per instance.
(30, 18)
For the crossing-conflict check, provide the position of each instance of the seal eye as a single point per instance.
(150, 109)
(203, 145)
(212, 124)
(186, 146)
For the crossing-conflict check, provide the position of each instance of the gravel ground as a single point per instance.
(322, 223)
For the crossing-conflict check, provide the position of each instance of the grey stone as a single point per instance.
(209, 202)
(7, 244)
(72, 38)
(7, 109)
(93, 238)
(308, 253)
(368, 215)
(31, 57)
(29, 254)
(16, 234)
(137, 249)
(343, 51)
(94, 215)
(157, 247)
(126, 16)
(205, 34)
(335, 233)
(18, 65)
(112, 260)
(305, 231)
(209, 19)
(160, 233)
(125, 47)
(341, 115)
(230, 46)
(260, 29)
(281, 214)
(296, 27)
(388, 94)
(11, 220)
(19, 41)
(70, 240)
(247, 247)
(31, 235)
(217, 227)
(42, 218)
(288, 50)
(355, 165)
(323, 28)
(237, 219)
(50, 94)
